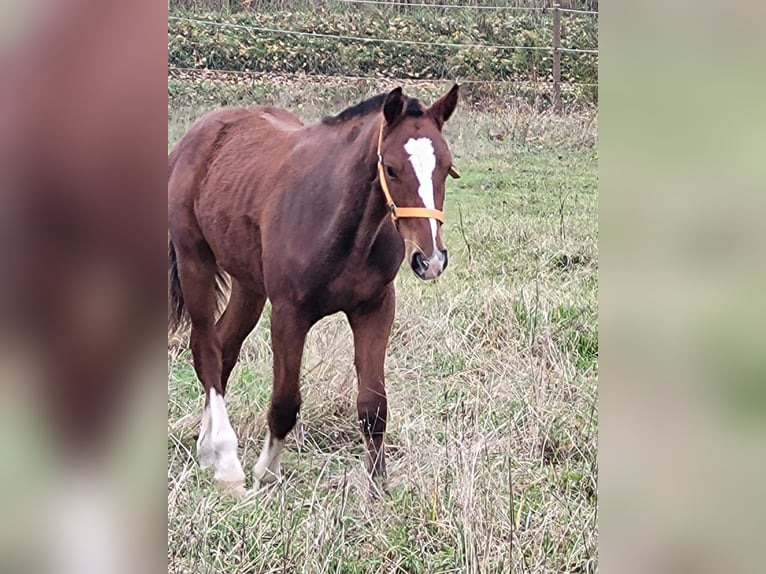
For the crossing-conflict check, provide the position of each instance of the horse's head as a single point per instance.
(414, 164)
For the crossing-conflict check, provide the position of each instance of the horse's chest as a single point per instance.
(323, 282)
(359, 280)
(360, 283)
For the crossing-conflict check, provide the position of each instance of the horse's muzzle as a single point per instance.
(429, 268)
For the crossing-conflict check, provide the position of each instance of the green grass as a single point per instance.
(491, 378)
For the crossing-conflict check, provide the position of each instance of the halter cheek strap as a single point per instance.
(397, 212)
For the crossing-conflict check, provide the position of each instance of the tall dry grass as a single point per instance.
(491, 378)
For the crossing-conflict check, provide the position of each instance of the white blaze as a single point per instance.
(423, 161)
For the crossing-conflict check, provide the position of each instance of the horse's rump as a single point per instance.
(214, 173)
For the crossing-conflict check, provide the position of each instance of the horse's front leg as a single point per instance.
(288, 335)
(371, 324)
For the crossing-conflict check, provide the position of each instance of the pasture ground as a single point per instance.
(491, 377)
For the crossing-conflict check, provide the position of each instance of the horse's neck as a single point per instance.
(361, 198)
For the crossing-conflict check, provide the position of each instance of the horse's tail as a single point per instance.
(177, 314)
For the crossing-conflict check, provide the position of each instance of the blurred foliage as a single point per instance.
(197, 45)
(394, 5)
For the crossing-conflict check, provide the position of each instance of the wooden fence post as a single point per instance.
(557, 58)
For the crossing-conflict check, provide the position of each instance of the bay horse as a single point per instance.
(316, 218)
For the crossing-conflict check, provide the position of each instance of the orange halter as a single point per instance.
(397, 212)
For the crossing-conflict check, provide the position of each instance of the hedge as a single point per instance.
(197, 45)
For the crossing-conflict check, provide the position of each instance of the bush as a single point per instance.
(195, 45)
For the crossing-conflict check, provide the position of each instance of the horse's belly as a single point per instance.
(236, 244)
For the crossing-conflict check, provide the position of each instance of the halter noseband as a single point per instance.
(397, 212)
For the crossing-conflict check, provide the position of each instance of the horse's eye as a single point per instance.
(390, 172)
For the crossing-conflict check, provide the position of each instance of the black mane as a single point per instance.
(373, 104)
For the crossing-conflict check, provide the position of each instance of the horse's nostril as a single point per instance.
(419, 264)
(446, 260)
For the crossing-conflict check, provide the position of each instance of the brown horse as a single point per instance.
(309, 217)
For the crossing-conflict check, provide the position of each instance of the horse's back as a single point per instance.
(190, 157)
(278, 118)
(234, 129)
(223, 177)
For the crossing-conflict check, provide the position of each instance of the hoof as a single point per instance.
(265, 480)
(236, 490)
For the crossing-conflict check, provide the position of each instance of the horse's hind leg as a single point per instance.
(217, 445)
(371, 324)
(288, 335)
(236, 323)
(240, 317)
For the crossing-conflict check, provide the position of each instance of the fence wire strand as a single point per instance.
(575, 11)
(469, 7)
(368, 39)
(425, 5)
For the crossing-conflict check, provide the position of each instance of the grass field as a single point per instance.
(491, 377)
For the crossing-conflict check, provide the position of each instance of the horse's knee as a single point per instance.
(283, 414)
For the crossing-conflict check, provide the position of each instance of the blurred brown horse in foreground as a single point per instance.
(316, 218)
(83, 120)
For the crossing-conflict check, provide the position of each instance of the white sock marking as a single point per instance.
(87, 524)
(423, 161)
(267, 467)
(205, 451)
(224, 441)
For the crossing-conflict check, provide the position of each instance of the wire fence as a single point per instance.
(400, 5)
(467, 6)
(369, 39)
(556, 49)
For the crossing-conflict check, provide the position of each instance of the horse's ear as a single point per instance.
(393, 105)
(444, 106)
